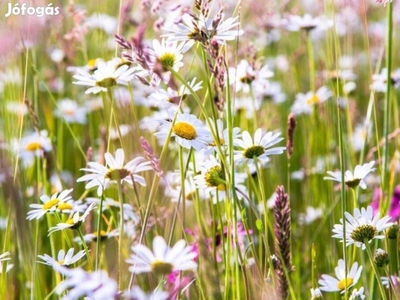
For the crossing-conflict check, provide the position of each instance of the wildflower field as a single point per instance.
(199, 149)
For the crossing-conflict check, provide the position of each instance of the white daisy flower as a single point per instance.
(164, 260)
(223, 135)
(316, 294)
(102, 176)
(102, 21)
(109, 203)
(363, 226)
(305, 103)
(258, 148)
(50, 204)
(357, 294)
(393, 281)
(212, 181)
(73, 223)
(71, 206)
(244, 76)
(306, 22)
(31, 146)
(189, 132)
(355, 179)
(204, 29)
(70, 111)
(92, 237)
(63, 259)
(310, 215)
(169, 53)
(95, 285)
(341, 282)
(136, 293)
(18, 108)
(4, 257)
(107, 75)
(174, 189)
(169, 97)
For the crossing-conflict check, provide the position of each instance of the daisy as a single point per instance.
(357, 294)
(18, 108)
(164, 260)
(71, 206)
(363, 226)
(316, 294)
(259, 148)
(102, 21)
(390, 281)
(93, 237)
(73, 223)
(310, 215)
(70, 111)
(212, 181)
(306, 22)
(173, 189)
(244, 76)
(31, 146)
(136, 293)
(166, 98)
(169, 53)
(107, 75)
(4, 257)
(50, 204)
(62, 259)
(102, 176)
(355, 179)
(204, 29)
(223, 135)
(341, 282)
(305, 103)
(78, 284)
(109, 204)
(189, 132)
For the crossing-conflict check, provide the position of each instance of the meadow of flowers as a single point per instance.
(199, 149)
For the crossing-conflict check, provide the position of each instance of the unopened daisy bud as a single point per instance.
(316, 294)
(381, 258)
(393, 232)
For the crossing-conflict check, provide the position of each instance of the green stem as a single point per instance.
(385, 185)
(311, 58)
(121, 232)
(376, 271)
(97, 259)
(85, 248)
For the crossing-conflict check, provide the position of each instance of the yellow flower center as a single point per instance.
(221, 187)
(314, 99)
(253, 151)
(345, 283)
(107, 82)
(184, 130)
(33, 146)
(70, 221)
(221, 142)
(102, 235)
(91, 63)
(64, 206)
(167, 60)
(161, 267)
(50, 204)
(117, 174)
(215, 177)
